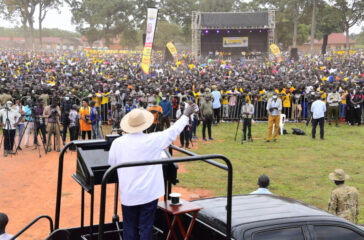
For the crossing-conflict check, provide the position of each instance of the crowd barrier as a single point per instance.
(294, 109)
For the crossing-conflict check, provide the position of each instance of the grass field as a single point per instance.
(297, 165)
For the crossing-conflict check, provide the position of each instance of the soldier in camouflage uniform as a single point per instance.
(344, 199)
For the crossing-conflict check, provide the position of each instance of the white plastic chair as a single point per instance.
(281, 123)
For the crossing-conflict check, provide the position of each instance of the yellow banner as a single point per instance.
(147, 51)
(275, 49)
(172, 49)
(229, 42)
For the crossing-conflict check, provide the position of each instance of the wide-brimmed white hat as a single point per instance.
(136, 121)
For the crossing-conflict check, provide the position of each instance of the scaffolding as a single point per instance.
(196, 36)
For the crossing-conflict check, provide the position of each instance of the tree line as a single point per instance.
(296, 20)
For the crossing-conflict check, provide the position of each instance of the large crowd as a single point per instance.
(85, 89)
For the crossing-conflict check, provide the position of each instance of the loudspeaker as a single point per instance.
(294, 54)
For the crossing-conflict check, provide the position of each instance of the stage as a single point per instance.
(236, 35)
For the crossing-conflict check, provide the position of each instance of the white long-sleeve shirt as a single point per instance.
(140, 185)
(318, 109)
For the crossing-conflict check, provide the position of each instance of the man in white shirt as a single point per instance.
(333, 100)
(318, 110)
(216, 103)
(3, 222)
(263, 183)
(140, 187)
(274, 108)
(10, 119)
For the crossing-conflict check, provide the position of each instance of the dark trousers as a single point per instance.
(247, 123)
(206, 123)
(138, 221)
(9, 136)
(184, 137)
(84, 135)
(64, 131)
(165, 121)
(356, 116)
(42, 129)
(321, 122)
(154, 128)
(217, 114)
(73, 136)
(333, 112)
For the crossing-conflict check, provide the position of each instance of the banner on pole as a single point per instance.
(152, 15)
(275, 49)
(172, 49)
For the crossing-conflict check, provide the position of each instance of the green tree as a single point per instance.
(350, 12)
(328, 21)
(43, 7)
(101, 19)
(166, 32)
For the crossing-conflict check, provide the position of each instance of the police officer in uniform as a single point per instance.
(344, 199)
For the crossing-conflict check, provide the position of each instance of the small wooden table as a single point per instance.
(176, 211)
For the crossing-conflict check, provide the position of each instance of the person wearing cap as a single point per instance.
(274, 108)
(141, 187)
(166, 111)
(318, 110)
(9, 120)
(343, 199)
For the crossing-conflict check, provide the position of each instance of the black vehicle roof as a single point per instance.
(247, 209)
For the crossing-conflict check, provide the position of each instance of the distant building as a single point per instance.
(335, 41)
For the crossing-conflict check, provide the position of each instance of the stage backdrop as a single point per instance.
(234, 41)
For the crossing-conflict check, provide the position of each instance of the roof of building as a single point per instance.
(234, 19)
(334, 38)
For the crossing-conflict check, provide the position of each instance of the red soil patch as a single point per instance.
(28, 189)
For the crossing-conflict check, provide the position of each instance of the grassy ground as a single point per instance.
(297, 165)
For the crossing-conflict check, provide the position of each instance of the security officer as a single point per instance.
(344, 199)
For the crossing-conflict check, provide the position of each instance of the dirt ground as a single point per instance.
(28, 187)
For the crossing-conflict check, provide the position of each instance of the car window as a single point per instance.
(335, 233)
(280, 234)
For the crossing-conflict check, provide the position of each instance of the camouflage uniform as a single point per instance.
(344, 203)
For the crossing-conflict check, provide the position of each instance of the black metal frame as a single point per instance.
(192, 157)
(206, 158)
(32, 223)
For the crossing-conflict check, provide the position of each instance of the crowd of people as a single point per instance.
(80, 91)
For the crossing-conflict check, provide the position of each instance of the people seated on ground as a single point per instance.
(263, 183)
(3, 222)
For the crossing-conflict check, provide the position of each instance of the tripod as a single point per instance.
(237, 129)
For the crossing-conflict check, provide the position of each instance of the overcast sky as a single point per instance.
(62, 20)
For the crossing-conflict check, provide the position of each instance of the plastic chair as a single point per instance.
(281, 123)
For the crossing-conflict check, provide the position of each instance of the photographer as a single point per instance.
(39, 123)
(10, 119)
(247, 112)
(73, 120)
(29, 122)
(52, 114)
(65, 109)
(95, 118)
(116, 117)
(85, 123)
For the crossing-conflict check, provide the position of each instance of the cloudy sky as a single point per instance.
(62, 20)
